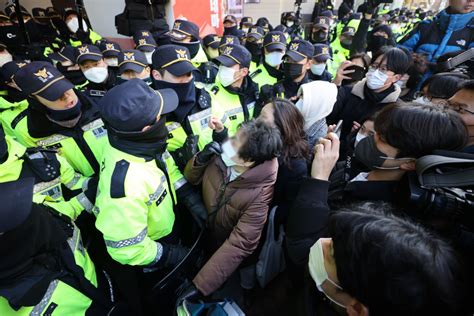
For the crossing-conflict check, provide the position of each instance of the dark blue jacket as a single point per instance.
(446, 33)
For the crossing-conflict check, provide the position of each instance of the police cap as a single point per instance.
(234, 54)
(211, 40)
(41, 78)
(183, 28)
(132, 59)
(8, 70)
(132, 105)
(322, 22)
(229, 40)
(321, 53)
(274, 40)
(300, 49)
(110, 49)
(88, 52)
(66, 53)
(173, 58)
(144, 41)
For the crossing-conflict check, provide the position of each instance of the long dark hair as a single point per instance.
(290, 122)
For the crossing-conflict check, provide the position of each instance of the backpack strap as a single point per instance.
(430, 174)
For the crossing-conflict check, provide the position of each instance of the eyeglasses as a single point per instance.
(382, 68)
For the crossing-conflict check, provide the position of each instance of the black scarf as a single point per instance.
(375, 98)
(275, 73)
(186, 94)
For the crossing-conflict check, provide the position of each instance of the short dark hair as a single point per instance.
(365, 59)
(444, 85)
(262, 142)
(417, 130)
(394, 266)
(397, 59)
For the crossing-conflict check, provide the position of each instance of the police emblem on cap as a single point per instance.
(145, 33)
(325, 50)
(228, 50)
(177, 25)
(109, 46)
(181, 53)
(141, 41)
(229, 40)
(322, 21)
(129, 56)
(43, 75)
(83, 50)
(21, 65)
(294, 46)
(276, 38)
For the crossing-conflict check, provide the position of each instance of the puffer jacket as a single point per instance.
(446, 33)
(237, 214)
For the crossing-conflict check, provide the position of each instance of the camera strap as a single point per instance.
(443, 171)
(455, 61)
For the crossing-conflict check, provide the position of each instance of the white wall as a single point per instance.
(102, 15)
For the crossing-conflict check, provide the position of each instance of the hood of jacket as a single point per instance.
(358, 90)
(453, 22)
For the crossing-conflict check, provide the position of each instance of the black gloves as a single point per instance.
(209, 151)
(192, 201)
(172, 255)
(187, 292)
(182, 155)
(220, 137)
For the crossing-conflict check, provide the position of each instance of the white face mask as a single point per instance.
(112, 62)
(96, 74)
(226, 75)
(318, 69)
(290, 23)
(245, 29)
(73, 25)
(376, 79)
(148, 56)
(358, 138)
(274, 58)
(5, 58)
(228, 152)
(318, 271)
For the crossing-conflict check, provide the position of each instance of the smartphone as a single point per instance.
(357, 75)
(338, 128)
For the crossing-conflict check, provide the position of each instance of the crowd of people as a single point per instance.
(294, 169)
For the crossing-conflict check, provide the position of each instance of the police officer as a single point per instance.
(59, 117)
(45, 268)
(320, 30)
(134, 207)
(211, 45)
(231, 28)
(110, 51)
(186, 33)
(133, 64)
(298, 61)
(101, 77)
(228, 39)
(340, 47)
(145, 43)
(12, 101)
(321, 58)
(188, 124)
(65, 60)
(254, 44)
(234, 93)
(50, 173)
(78, 35)
(269, 71)
(246, 23)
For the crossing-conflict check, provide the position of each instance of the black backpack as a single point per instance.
(142, 15)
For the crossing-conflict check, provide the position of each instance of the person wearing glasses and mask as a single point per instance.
(269, 71)
(463, 103)
(377, 89)
(79, 35)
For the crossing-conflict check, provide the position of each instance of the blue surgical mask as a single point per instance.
(376, 79)
(274, 59)
(318, 69)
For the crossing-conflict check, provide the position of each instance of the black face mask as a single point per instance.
(319, 36)
(346, 43)
(376, 43)
(3, 146)
(9, 35)
(65, 115)
(186, 91)
(230, 30)
(193, 47)
(368, 154)
(157, 133)
(292, 70)
(75, 76)
(254, 49)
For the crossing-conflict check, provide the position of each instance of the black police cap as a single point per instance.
(41, 78)
(9, 70)
(88, 52)
(174, 58)
(234, 54)
(132, 59)
(110, 49)
(144, 41)
(132, 105)
(17, 201)
(211, 40)
(322, 22)
(66, 53)
(229, 40)
(300, 49)
(274, 40)
(321, 53)
(256, 32)
(183, 28)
